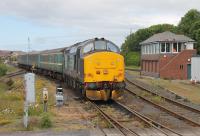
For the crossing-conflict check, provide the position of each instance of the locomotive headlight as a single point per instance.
(89, 75)
(98, 72)
(105, 71)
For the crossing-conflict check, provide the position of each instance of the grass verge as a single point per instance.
(12, 105)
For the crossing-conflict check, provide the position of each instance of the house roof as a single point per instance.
(167, 36)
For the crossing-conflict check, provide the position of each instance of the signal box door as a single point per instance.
(188, 71)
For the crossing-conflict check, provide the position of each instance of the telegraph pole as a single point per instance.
(28, 50)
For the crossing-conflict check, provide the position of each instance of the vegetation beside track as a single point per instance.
(182, 88)
(132, 59)
(12, 104)
(11, 107)
(3, 69)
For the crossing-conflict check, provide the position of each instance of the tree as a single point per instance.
(132, 42)
(197, 37)
(188, 20)
(194, 28)
(190, 26)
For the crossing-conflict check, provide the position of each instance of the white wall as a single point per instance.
(195, 68)
(189, 46)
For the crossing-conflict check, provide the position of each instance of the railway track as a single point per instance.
(158, 128)
(178, 109)
(116, 124)
(19, 72)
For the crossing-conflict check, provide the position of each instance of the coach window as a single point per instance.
(89, 47)
(112, 47)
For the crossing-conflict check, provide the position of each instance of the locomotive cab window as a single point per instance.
(100, 45)
(88, 48)
(112, 47)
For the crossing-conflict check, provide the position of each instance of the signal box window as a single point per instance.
(175, 48)
(179, 47)
(167, 47)
(162, 47)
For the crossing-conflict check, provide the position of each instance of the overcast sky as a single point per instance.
(58, 23)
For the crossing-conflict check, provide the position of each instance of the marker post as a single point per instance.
(45, 99)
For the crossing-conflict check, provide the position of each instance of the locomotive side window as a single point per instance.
(100, 45)
(66, 61)
(71, 62)
(112, 47)
(88, 48)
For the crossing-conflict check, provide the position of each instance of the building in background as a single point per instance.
(4, 54)
(167, 55)
(195, 69)
(9, 56)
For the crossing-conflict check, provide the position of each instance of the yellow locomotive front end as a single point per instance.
(103, 75)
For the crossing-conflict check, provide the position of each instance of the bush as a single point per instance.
(34, 111)
(132, 58)
(46, 121)
(3, 69)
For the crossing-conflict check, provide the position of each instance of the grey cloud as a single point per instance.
(112, 18)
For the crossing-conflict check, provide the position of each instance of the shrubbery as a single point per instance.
(132, 58)
(46, 121)
(3, 69)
